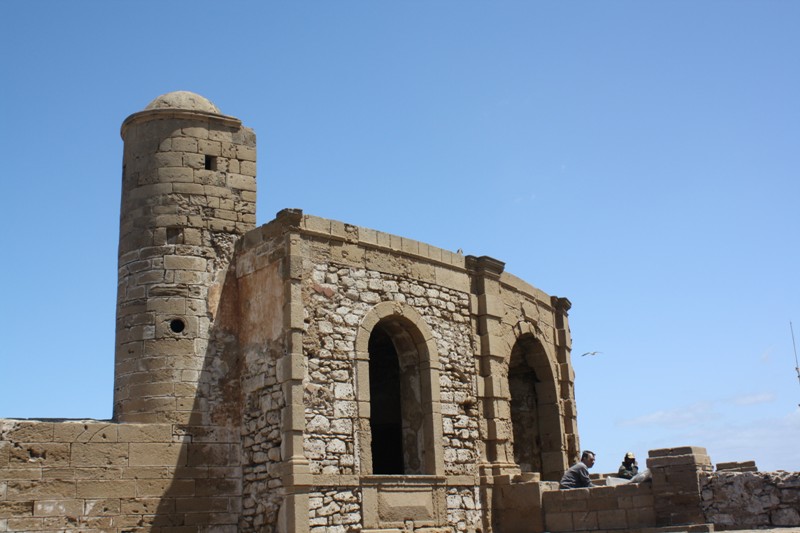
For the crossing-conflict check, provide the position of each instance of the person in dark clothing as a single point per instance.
(629, 468)
(577, 476)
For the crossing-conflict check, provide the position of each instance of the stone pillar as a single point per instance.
(493, 393)
(566, 387)
(676, 484)
(188, 193)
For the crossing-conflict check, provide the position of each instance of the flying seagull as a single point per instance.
(590, 353)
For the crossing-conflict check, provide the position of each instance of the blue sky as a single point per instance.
(639, 158)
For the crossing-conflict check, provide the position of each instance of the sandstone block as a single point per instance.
(18, 509)
(101, 507)
(25, 524)
(39, 453)
(23, 431)
(100, 489)
(559, 521)
(99, 454)
(47, 489)
(184, 144)
(241, 182)
(69, 507)
(150, 488)
(146, 506)
(158, 454)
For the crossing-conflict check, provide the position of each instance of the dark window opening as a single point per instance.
(174, 235)
(177, 325)
(386, 421)
(211, 162)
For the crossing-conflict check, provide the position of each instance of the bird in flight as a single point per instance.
(590, 353)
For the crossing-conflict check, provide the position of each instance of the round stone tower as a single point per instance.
(188, 193)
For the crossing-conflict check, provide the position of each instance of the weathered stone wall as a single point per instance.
(339, 297)
(627, 506)
(97, 476)
(188, 194)
(261, 345)
(334, 510)
(734, 500)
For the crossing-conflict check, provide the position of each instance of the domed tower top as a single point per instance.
(183, 100)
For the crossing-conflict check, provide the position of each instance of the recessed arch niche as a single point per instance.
(535, 417)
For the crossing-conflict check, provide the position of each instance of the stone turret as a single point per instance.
(188, 193)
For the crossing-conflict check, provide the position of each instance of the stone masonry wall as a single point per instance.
(734, 500)
(338, 297)
(616, 507)
(95, 476)
(341, 296)
(261, 345)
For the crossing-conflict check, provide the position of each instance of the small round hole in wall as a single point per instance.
(177, 325)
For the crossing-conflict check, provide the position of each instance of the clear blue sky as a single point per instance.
(639, 158)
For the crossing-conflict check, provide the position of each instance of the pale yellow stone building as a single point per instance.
(305, 375)
(313, 376)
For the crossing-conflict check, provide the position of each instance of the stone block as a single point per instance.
(17, 509)
(32, 473)
(585, 520)
(23, 431)
(101, 507)
(212, 455)
(242, 182)
(175, 174)
(682, 450)
(558, 521)
(99, 454)
(217, 487)
(210, 504)
(146, 506)
(642, 517)
(612, 519)
(599, 502)
(347, 254)
(25, 524)
(46, 489)
(145, 433)
(71, 507)
(246, 153)
(180, 262)
(39, 453)
(158, 454)
(159, 488)
(578, 503)
(99, 489)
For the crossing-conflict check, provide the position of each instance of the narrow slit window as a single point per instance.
(211, 162)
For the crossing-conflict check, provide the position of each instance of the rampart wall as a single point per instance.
(101, 476)
(682, 492)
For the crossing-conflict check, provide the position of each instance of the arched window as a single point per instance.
(400, 400)
(534, 404)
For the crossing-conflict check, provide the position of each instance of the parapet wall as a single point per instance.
(682, 492)
(616, 507)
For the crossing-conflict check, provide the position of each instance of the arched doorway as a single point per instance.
(400, 400)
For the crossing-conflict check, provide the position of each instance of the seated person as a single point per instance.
(629, 467)
(577, 476)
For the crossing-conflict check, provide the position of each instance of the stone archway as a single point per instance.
(397, 367)
(537, 427)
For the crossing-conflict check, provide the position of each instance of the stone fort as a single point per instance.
(310, 375)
